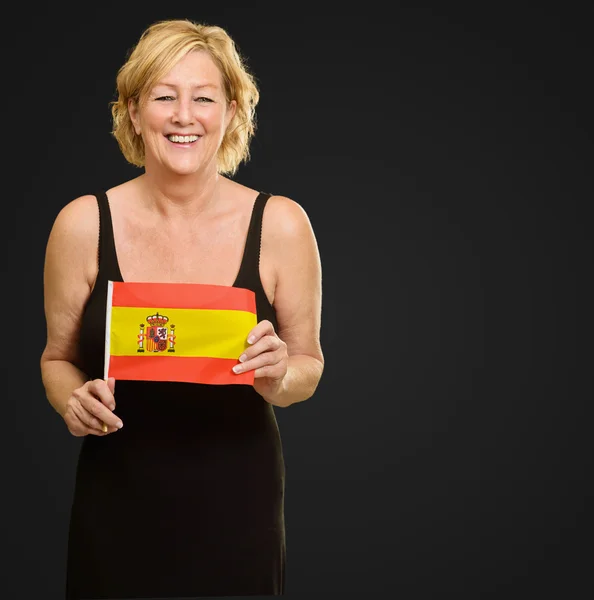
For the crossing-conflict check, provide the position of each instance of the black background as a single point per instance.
(444, 158)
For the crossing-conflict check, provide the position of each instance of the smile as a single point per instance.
(183, 140)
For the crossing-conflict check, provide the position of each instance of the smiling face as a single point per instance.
(183, 118)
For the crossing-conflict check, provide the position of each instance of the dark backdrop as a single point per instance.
(444, 160)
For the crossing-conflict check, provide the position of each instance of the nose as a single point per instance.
(183, 112)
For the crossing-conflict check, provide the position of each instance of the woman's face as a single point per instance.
(188, 101)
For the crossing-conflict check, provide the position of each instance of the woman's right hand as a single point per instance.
(89, 410)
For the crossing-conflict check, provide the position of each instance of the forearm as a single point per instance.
(60, 378)
(300, 382)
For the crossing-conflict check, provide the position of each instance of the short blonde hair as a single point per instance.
(159, 48)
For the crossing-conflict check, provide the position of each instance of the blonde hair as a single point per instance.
(159, 48)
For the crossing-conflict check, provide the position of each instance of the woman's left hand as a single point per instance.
(267, 356)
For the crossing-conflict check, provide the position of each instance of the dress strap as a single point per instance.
(249, 271)
(108, 260)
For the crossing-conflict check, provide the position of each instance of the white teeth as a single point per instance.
(183, 139)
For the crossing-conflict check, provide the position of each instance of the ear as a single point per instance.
(134, 117)
(231, 109)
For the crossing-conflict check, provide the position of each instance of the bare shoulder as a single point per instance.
(73, 240)
(285, 219)
(78, 219)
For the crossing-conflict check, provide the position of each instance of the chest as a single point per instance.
(208, 254)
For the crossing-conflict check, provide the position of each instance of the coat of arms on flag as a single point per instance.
(182, 332)
(159, 335)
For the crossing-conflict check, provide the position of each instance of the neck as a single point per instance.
(182, 196)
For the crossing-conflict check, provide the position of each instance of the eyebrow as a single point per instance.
(198, 86)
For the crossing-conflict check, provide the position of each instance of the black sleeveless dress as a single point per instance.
(187, 499)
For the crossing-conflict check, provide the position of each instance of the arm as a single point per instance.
(289, 363)
(69, 274)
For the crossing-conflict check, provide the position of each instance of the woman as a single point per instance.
(180, 487)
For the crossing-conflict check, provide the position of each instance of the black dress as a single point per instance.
(187, 499)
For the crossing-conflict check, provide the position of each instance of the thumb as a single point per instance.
(111, 384)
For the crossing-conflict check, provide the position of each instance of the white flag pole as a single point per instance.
(107, 335)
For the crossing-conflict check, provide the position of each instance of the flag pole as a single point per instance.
(107, 337)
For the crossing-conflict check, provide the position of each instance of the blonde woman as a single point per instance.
(180, 487)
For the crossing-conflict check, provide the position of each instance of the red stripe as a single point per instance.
(189, 369)
(183, 295)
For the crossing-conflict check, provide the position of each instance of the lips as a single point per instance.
(185, 139)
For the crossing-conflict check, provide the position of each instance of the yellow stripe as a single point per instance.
(210, 333)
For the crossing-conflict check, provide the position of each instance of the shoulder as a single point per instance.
(78, 213)
(77, 223)
(285, 218)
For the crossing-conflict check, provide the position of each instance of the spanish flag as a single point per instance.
(177, 332)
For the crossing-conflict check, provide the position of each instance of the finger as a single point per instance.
(102, 432)
(261, 360)
(85, 418)
(111, 385)
(97, 432)
(272, 371)
(106, 429)
(269, 343)
(78, 429)
(75, 426)
(100, 412)
(101, 389)
(263, 328)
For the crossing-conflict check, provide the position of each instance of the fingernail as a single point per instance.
(237, 369)
(119, 424)
(251, 339)
(242, 358)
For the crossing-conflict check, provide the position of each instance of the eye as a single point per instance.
(203, 99)
(165, 98)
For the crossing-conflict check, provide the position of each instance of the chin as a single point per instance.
(185, 169)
